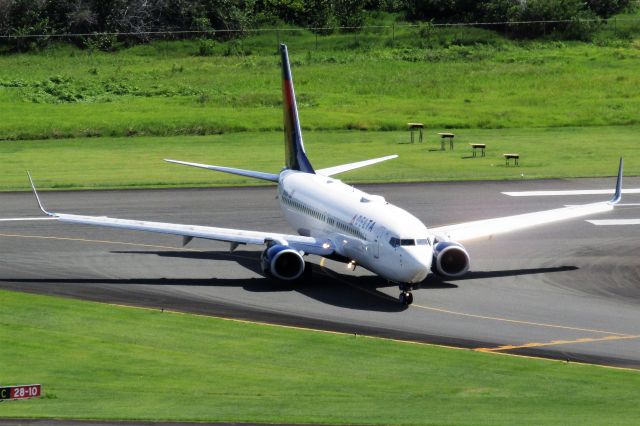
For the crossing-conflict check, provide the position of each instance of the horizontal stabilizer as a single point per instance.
(330, 171)
(249, 173)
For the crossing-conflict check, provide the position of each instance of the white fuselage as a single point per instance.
(365, 228)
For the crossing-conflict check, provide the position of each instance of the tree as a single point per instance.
(349, 13)
(607, 8)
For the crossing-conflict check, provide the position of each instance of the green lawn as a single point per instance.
(483, 81)
(89, 119)
(80, 119)
(104, 362)
(137, 162)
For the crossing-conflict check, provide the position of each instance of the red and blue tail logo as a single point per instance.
(295, 156)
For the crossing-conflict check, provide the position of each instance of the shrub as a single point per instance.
(206, 47)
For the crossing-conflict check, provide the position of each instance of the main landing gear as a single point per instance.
(406, 297)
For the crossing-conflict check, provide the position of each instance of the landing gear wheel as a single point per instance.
(406, 298)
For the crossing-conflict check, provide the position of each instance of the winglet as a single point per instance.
(37, 197)
(617, 196)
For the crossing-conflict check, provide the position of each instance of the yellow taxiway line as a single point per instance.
(497, 350)
(556, 343)
(537, 324)
(85, 240)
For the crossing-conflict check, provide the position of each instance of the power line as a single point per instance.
(314, 29)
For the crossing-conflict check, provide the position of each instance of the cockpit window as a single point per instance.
(395, 242)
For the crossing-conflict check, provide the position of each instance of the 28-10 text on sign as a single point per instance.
(20, 392)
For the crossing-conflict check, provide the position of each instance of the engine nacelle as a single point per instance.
(282, 262)
(450, 259)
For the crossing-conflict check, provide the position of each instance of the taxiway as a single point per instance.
(569, 291)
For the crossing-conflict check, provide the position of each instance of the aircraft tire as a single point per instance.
(406, 298)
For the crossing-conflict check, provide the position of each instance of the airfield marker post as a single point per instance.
(416, 126)
(443, 137)
(515, 157)
(480, 146)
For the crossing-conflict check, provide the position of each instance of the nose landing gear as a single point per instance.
(406, 297)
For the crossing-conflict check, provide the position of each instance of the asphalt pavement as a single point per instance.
(569, 291)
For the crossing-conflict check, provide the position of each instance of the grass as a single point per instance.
(87, 119)
(137, 162)
(468, 78)
(105, 362)
(90, 119)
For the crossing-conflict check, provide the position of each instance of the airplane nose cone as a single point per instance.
(417, 265)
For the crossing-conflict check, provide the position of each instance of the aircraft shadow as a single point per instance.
(512, 273)
(249, 260)
(360, 293)
(334, 288)
(326, 286)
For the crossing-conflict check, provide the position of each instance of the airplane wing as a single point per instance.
(502, 225)
(308, 245)
(489, 227)
(568, 192)
(23, 219)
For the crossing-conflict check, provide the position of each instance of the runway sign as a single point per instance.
(20, 392)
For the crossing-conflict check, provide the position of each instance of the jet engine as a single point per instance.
(282, 262)
(450, 259)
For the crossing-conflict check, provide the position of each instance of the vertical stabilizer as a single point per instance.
(295, 157)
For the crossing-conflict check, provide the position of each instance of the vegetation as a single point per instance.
(104, 362)
(569, 19)
(86, 116)
(137, 162)
(107, 25)
(457, 79)
(79, 117)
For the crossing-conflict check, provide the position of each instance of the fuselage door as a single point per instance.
(378, 242)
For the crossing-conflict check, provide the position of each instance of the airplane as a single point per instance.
(337, 221)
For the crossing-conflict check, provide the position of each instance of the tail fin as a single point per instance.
(295, 156)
